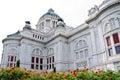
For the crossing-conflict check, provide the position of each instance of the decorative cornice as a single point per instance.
(102, 11)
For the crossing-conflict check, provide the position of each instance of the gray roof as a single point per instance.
(17, 34)
(51, 13)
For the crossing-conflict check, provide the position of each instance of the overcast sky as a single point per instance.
(13, 13)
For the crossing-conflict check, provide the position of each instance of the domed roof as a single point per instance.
(51, 13)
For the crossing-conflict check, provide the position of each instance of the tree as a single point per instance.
(18, 63)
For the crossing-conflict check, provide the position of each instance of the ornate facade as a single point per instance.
(94, 44)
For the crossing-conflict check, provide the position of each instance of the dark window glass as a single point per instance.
(32, 59)
(41, 67)
(11, 58)
(11, 64)
(47, 66)
(52, 58)
(41, 61)
(110, 52)
(32, 66)
(33, 35)
(37, 60)
(117, 49)
(50, 66)
(47, 61)
(116, 38)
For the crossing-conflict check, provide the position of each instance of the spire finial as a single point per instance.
(50, 10)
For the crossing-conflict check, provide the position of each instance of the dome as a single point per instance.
(51, 13)
(60, 22)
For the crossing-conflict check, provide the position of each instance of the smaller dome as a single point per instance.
(60, 23)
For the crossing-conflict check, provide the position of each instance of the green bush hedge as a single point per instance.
(16, 73)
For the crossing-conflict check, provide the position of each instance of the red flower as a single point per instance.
(74, 73)
(65, 76)
(12, 68)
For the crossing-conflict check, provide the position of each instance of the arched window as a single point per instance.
(37, 59)
(50, 59)
(81, 44)
(81, 52)
(12, 53)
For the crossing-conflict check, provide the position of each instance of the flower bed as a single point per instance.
(23, 74)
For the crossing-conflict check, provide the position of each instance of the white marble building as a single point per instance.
(94, 44)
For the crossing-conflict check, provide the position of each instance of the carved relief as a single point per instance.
(37, 51)
(117, 21)
(112, 23)
(50, 51)
(106, 27)
(80, 44)
(12, 51)
(93, 10)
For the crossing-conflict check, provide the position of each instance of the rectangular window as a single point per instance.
(77, 55)
(47, 61)
(11, 58)
(33, 35)
(115, 38)
(108, 41)
(32, 59)
(47, 66)
(52, 65)
(11, 64)
(86, 53)
(37, 60)
(110, 52)
(117, 49)
(36, 66)
(41, 61)
(41, 67)
(81, 55)
(32, 66)
(52, 58)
